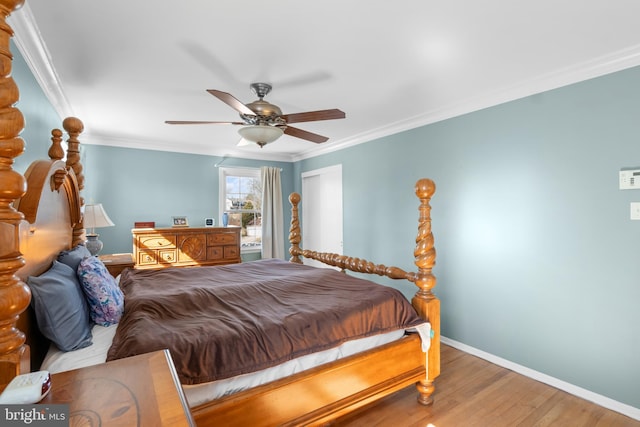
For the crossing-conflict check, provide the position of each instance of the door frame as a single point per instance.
(335, 210)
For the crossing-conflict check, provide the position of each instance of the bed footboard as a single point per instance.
(317, 396)
(424, 301)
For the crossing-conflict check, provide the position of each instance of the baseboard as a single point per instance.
(598, 399)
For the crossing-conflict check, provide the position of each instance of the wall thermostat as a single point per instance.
(209, 222)
(630, 179)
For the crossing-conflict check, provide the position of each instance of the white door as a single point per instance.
(322, 211)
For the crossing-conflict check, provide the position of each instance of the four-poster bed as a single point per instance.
(40, 216)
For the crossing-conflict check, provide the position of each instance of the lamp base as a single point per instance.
(93, 244)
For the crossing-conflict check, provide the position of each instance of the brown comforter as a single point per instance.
(223, 321)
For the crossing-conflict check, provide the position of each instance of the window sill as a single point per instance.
(251, 250)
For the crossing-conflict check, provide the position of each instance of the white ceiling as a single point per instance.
(124, 67)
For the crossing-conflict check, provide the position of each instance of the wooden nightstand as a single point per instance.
(115, 263)
(141, 390)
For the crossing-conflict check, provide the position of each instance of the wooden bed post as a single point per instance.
(425, 301)
(14, 294)
(74, 128)
(294, 230)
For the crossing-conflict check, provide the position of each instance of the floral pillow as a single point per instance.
(105, 299)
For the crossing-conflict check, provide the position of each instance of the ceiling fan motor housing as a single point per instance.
(265, 112)
(264, 109)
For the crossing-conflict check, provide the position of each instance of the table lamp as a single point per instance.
(95, 217)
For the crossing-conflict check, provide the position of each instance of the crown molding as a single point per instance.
(35, 53)
(94, 138)
(606, 64)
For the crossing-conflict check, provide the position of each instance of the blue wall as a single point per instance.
(40, 116)
(145, 185)
(537, 258)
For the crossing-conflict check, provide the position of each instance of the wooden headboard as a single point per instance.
(40, 214)
(52, 222)
(52, 219)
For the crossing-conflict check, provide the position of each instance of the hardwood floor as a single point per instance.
(473, 392)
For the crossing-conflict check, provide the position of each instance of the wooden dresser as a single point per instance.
(177, 246)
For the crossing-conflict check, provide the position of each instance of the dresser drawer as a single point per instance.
(167, 255)
(231, 252)
(147, 258)
(222, 239)
(215, 253)
(223, 253)
(164, 256)
(157, 241)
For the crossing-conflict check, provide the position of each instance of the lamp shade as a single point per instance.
(260, 134)
(96, 217)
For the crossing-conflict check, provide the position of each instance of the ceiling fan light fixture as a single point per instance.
(260, 134)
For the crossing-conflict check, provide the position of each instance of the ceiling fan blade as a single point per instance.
(303, 134)
(312, 116)
(189, 122)
(231, 101)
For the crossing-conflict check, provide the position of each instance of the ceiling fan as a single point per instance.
(263, 122)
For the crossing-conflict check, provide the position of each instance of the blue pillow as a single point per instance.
(105, 299)
(73, 256)
(61, 310)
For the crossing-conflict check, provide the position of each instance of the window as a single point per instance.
(241, 200)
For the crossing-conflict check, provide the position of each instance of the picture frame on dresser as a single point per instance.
(179, 221)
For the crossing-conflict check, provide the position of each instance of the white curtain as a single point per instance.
(272, 227)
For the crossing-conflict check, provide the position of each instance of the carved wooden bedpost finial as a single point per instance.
(14, 294)
(56, 152)
(294, 231)
(424, 300)
(74, 127)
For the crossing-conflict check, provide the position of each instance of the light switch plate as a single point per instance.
(635, 210)
(629, 179)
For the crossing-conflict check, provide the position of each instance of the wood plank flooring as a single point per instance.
(473, 392)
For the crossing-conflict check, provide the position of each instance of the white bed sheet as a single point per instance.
(59, 361)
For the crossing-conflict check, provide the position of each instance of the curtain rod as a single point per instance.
(217, 165)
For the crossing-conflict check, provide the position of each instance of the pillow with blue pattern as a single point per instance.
(105, 299)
